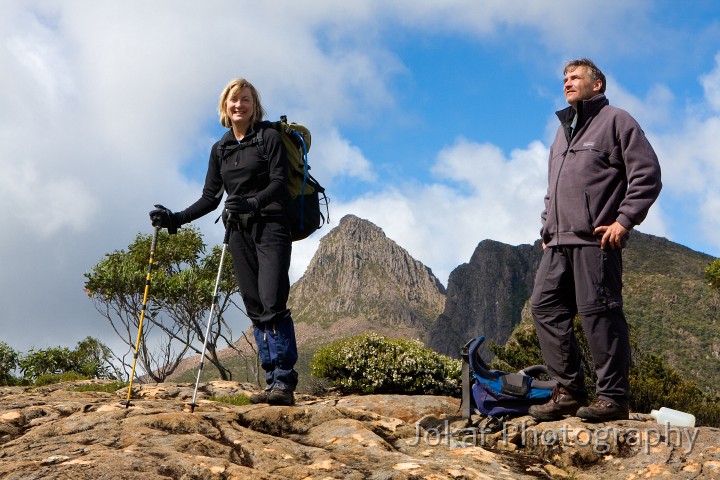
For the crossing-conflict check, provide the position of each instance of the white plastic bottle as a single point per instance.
(673, 417)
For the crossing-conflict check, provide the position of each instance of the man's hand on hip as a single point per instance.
(612, 235)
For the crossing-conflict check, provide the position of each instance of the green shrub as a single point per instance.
(94, 359)
(46, 361)
(712, 273)
(655, 384)
(373, 363)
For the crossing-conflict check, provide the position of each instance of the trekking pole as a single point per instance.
(153, 246)
(210, 317)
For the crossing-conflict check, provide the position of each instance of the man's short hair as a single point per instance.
(595, 72)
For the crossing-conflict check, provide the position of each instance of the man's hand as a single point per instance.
(611, 235)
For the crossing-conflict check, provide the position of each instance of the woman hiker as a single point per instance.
(256, 211)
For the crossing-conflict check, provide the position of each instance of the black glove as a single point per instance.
(240, 205)
(162, 217)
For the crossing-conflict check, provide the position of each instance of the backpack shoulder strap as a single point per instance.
(260, 138)
(225, 146)
(535, 371)
(477, 364)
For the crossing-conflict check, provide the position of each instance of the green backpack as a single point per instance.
(305, 191)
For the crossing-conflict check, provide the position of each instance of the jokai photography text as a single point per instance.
(602, 438)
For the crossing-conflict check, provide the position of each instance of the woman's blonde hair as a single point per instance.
(231, 89)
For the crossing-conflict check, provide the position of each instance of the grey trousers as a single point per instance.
(584, 280)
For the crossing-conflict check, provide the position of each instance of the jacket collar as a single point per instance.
(586, 109)
(229, 138)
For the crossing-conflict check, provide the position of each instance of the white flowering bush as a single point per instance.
(373, 363)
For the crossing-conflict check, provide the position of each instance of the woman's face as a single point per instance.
(240, 106)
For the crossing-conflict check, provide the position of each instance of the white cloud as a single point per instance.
(44, 204)
(490, 174)
(710, 215)
(691, 171)
(653, 111)
(711, 84)
(656, 223)
(334, 156)
(556, 25)
(38, 54)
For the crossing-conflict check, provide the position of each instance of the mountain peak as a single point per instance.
(360, 280)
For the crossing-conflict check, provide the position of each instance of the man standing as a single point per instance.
(603, 177)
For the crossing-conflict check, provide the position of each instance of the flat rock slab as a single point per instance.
(57, 432)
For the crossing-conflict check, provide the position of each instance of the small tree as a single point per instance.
(93, 359)
(186, 297)
(180, 294)
(8, 364)
(712, 273)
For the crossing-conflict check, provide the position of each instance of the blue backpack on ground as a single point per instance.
(497, 394)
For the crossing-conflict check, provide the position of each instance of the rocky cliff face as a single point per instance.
(485, 296)
(55, 432)
(358, 281)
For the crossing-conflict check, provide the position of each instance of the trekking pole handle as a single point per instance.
(228, 229)
(153, 247)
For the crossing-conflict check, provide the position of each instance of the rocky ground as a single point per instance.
(55, 432)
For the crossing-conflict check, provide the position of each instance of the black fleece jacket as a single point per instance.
(239, 168)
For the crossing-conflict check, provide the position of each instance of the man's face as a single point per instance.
(579, 85)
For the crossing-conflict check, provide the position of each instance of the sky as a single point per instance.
(431, 119)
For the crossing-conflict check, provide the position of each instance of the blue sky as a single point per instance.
(430, 119)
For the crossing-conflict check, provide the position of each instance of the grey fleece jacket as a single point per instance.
(604, 171)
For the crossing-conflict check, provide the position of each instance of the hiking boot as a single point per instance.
(279, 396)
(560, 404)
(601, 410)
(261, 397)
